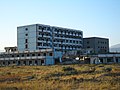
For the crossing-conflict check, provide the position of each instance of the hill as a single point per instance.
(60, 77)
(115, 48)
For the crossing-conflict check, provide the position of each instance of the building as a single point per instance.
(10, 49)
(99, 45)
(38, 57)
(38, 36)
(108, 58)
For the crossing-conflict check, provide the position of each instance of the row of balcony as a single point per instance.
(69, 33)
(67, 43)
(23, 58)
(69, 37)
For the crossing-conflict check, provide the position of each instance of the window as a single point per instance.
(26, 46)
(39, 38)
(12, 55)
(44, 54)
(13, 62)
(77, 42)
(66, 41)
(24, 62)
(42, 61)
(26, 29)
(8, 62)
(39, 54)
(36, 62)
(33, 54)
(88, 47)
(40, 27)
(50, 54)
(26, 40)
(27, 55)
(4, 63)
(22, 55)
(87, 42)
(26, 34)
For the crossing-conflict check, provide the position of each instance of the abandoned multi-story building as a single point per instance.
(39, 36)
(39, 44)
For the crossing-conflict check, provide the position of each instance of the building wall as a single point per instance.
(44, 36)
(99, 45)
(26, 38)
(67, 39)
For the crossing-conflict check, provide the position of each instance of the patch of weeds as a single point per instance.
(112, 74)
(68, 69)
(10, 88)
(73, 72)
(108, 69)
(101, 65)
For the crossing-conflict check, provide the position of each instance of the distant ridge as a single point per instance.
(115, 48)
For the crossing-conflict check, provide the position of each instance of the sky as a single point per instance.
(96, 18)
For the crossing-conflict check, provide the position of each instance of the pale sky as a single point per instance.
(100, 18)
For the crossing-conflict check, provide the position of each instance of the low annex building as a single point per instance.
(37, 57)
(101, 58)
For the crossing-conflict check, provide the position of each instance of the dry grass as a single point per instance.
(60, 77)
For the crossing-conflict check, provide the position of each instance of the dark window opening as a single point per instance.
(30, 62)
(42, 61)
(38, 54)
(33, 54)
(44, 54)
(12, 55)
(36, 62)
(27, 55)
(8, 62)
(87, 42)
(117, 60)
(26, 29)
(51, 54)
(22, 55)
(26, 40)
(26, 34)
(88, 47)
(18, 62)
(4, 63)
(26, 46)
(13, 62)
(24, 62)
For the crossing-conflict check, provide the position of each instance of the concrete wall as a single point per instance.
(29, 33)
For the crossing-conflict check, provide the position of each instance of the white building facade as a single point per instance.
(39, 36)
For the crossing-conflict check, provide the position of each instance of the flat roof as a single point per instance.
(95, 38)
(51, 26)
